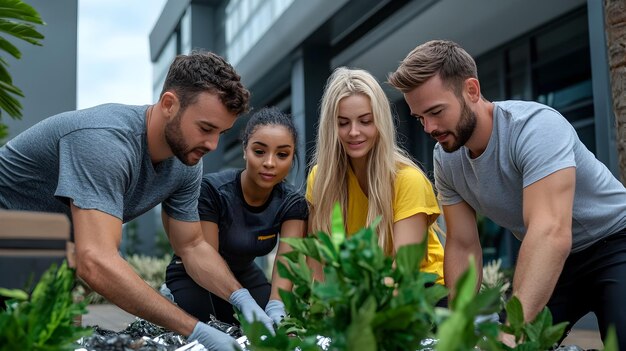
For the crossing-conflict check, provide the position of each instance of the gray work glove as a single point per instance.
(250, 309)
(166, 292)
(275, 309)
(213, 339)
(482, 318)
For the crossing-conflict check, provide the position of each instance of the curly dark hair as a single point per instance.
(190, 75)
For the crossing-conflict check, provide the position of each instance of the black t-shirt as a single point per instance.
(246, 232)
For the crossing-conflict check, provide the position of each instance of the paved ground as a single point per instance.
(110, 317)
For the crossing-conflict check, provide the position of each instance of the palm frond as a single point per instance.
(17, 20)
(23, 31)
(9, 103)
(19, 10)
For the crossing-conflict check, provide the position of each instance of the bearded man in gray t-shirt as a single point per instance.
(106, 165)
(522, 165)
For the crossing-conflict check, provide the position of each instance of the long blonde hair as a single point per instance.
(383, 161)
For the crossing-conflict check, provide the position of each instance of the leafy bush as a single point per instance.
(43, 320)
(368, 302)
(17, 19)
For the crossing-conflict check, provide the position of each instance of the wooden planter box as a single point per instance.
(29, 243)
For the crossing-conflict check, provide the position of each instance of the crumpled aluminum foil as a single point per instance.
(142, 335)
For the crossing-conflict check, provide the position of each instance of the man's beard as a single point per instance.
(176, 141)
(464, 129)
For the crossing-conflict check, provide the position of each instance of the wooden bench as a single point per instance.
(29, 243)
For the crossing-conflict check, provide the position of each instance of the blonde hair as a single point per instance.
(383, 161)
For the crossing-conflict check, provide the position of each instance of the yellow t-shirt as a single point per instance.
(413, 194)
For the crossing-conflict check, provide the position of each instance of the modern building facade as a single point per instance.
(549, 51)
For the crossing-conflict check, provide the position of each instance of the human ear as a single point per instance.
(169, 104)
(472, 89)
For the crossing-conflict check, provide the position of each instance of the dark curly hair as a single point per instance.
(190, 75)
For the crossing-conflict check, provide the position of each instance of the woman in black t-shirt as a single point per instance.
(243, 213)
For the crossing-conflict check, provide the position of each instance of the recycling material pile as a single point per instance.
(142, 335)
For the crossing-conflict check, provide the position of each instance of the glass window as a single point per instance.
(185, 32)
(246, 23)
(162, 64)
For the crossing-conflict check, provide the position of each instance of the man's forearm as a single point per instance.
(456, 262)
(114, 279)
(538, 268)
(207, 268)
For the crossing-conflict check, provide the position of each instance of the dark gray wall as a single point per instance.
(47, 74)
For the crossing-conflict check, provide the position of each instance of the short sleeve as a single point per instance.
(94, 170)
(182, 205)
(295, 207)
(545, 144)
(209, 203)
(414, 194)
(445, 193)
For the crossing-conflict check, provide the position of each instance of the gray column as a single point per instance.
(606, 145)
(310, 70)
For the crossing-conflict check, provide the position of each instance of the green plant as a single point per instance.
(150, 269)
(17, 19)
(368, 302)
(43, 320)
(494, 277)
(540, 334)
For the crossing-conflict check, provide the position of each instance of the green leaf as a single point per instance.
(11, 49)
(360, 335)
(12, 15)
(284, 272)
(46, 320)
(14, 294)
(409, 258)
(515, 313)
(610, 343)
(326, 248)
(19, 10)
(465, 287)
(26, 32)
(395, 318)
(487, 301)
(338, 230)
(300, 245)
(455, 332)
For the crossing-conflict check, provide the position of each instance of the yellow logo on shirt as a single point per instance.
(265, 237)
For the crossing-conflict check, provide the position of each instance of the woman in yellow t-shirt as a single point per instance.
(358, 163)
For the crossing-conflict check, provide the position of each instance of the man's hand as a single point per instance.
(213, 339)
(275, 309)
(250, 309)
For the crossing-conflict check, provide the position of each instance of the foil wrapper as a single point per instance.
(142, 335)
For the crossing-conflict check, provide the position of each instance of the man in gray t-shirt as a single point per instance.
(106, 165)
(522, 165)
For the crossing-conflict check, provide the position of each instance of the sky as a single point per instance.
(113, 51)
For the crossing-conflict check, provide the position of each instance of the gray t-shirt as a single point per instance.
(530, 141)
(99, 158)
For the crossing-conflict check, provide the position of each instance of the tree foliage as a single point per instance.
(17, 20)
